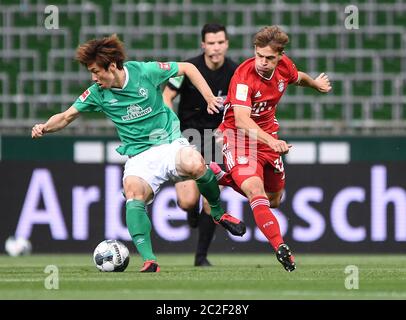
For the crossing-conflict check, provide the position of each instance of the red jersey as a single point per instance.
(250, 89)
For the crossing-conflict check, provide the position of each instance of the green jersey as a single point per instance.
(137, 110)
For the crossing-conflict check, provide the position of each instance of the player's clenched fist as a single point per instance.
(37, 130)
(280, 146)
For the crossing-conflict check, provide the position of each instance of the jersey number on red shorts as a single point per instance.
(278, 164)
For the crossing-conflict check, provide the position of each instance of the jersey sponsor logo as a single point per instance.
(281, 85)
(164, 65)
(278, 166)
(84, 95)
(143, 92)
(242, 92)
(258, 94)
(135, 111)
(259, 107)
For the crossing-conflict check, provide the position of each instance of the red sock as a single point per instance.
(266, 221)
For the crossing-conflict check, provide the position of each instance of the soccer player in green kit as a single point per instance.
(129, 94)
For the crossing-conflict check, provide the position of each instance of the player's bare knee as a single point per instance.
(136, 188)
(254, 192)
(135, 196)
(253, 187)
(192, 163)
(132, 192)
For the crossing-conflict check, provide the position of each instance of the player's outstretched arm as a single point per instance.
(169, 95)
(321, 83)
(243, 121)
(194, 75)
(56, 122)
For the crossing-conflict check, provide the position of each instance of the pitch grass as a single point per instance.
(233, 277)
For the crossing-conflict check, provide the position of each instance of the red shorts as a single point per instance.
(245, 163)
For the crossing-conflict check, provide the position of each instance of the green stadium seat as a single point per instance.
(342, 65)
(362, 88)
(391, 65)
(327, 41)
(333, 111)
(309, 19)
(388, 88)
(287, 111)
(356, 113)
(383, 111)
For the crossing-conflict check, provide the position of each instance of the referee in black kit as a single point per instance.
(194, 119)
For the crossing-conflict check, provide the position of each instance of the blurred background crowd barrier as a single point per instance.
(363, 55)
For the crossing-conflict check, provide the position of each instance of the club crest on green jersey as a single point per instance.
(143, 92)
(135, 111)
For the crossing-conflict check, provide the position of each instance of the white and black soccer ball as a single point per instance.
(18, 246)
(111, 256)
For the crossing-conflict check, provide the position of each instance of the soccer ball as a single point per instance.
(111, 256)
(18, 246)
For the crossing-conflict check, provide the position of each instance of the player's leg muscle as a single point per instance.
(187, 194)
(137, 188)
(190, 163)
(253, 187)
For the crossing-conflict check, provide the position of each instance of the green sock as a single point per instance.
(209, 188)
(139, 226)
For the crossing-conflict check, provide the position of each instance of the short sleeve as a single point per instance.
(160, 72)
(89, 100)
(175, 83)
(292, 72)
(240, 92)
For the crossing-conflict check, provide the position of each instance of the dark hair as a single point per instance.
(102, 51)
(213, 28)
(272, 36)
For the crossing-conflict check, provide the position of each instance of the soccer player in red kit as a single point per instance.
(251, 147)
